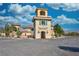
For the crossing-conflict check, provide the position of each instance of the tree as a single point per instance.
(18, 33)
(7, 29)
(13, 28)
(58, 30)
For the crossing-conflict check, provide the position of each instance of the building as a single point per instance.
(17, 26)
(26, 33)
(2, 34)
(13, 33)
(42, 27)
(42, 24)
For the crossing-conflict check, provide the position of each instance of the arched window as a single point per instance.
(42, 12)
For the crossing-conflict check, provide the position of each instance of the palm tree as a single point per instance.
(7, 29)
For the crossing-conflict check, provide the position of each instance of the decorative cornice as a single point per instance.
(40, 18)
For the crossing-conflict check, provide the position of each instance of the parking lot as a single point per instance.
(67, 46)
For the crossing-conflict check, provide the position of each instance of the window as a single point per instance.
(43, 22)
(42, 12)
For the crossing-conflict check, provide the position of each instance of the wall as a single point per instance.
(38, 13)
(39, 29)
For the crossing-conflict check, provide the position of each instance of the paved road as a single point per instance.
(68, 46)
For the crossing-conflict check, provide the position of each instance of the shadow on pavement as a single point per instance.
(72, 49)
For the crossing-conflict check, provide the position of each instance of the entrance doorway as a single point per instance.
(43, 35)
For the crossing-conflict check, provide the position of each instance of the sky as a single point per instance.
(64, 14)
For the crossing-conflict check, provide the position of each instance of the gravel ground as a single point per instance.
(67, 46)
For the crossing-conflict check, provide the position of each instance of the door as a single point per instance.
(43, 35)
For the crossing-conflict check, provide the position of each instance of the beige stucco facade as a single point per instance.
(13, 34)
(26, 33)
(38, 12)
(2, 34)
(42, 31)
(23, 35)
(17, 27)
(39, 29)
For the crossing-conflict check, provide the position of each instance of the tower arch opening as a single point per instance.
(42, 12)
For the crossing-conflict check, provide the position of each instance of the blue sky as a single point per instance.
(65, 14)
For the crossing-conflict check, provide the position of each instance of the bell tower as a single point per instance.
(42, 24)
(41, 12)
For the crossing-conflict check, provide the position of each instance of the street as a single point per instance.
(68, 46)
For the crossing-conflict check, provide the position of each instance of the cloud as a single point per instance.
(13, 20)
(19, 9)
(64, 20)
(64, 6)
(8, 19)
(23, 20)
(23, 13)
(16, 8)
(1, 4)
(3, 11)
(54, 5)
(68, 24)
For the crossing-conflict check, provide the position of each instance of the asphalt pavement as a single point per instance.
(67, 46)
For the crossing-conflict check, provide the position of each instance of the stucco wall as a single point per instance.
(38, 13)
(40, 28)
